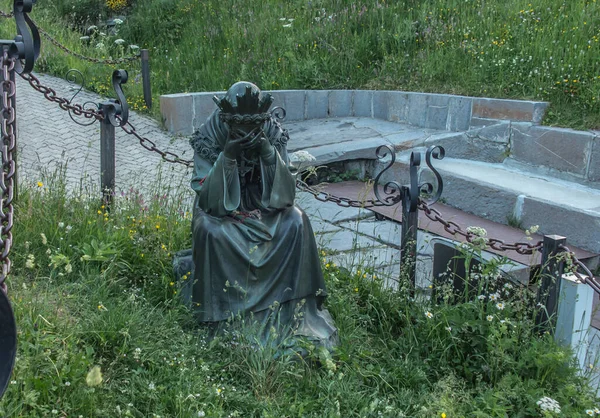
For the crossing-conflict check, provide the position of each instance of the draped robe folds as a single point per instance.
(254, 251)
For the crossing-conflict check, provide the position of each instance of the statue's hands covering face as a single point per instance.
(244, 140)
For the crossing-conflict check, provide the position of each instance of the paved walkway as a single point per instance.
(49, 140)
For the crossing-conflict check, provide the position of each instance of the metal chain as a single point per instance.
(6, 15)
(589, 277)
(8, 165)
(151, 146)
(340, 201)
(64, 104)
(83, 57)
(453, 228)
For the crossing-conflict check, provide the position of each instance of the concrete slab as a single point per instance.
(387, 232)
(560, 149)
(345, 240)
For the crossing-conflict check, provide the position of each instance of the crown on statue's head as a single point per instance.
(244, 104)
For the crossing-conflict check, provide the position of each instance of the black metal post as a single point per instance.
(145, 57)
(408, 243)
(551, 273)
(107, 156)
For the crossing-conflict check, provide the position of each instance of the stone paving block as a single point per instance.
(345, 240)
(516, 110)
(490, 203)
(362, 106)
(417, 109)
(378, 259)
(352, 150)
(459, 113)
(293, 101)
(559, 149)
(437, 111)
(204, 105)
(330, 212)
(178, 113)
(582, 228)
(397, 106)
(594, 165)
(317, 104)
(387, 232)
(320, 226)
(340, 103)
(381, 108)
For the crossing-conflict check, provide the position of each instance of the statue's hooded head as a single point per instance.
(244, 104)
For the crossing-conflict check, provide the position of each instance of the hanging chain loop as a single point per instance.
(8, 91)
(526, 248)
(64, 104)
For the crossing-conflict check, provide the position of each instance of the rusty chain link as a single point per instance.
(340, 201)
(151, 146)
(7, 15)
(453, 228)
(64, 104)
(8, 165)
(589, 278)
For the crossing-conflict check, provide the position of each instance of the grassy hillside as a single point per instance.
(525, 49)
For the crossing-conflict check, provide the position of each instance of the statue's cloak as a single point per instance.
(254, 251)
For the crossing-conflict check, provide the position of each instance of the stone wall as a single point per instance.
(184, 113)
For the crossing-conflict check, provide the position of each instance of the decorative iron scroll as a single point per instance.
(72, 77)
(410, 194)
(117, 111)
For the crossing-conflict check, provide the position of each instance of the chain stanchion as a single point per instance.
(587, 277)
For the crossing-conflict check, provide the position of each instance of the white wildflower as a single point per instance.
(99, 45)
(119, 41)
(84, 38)
(490, 318)
(500, 305)
(549, 404)
(302, 157)
(134, 47)
(92, 28)
(289, 25)
(118, 21)
(68, 228)
(61, 225)
(44, 239)
(429, 315)
(30, 263)
(152, 386)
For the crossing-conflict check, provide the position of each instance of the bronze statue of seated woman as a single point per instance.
(254, 251)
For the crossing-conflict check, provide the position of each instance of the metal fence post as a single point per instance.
(551, 273)
(145, 58)
(107, 156)
(408, 244)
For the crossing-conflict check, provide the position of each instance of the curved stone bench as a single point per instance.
(500, 165)
(185, 112)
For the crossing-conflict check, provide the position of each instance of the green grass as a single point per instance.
(98, 291)
(523, 49)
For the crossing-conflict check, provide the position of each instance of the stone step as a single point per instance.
(509, 195)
